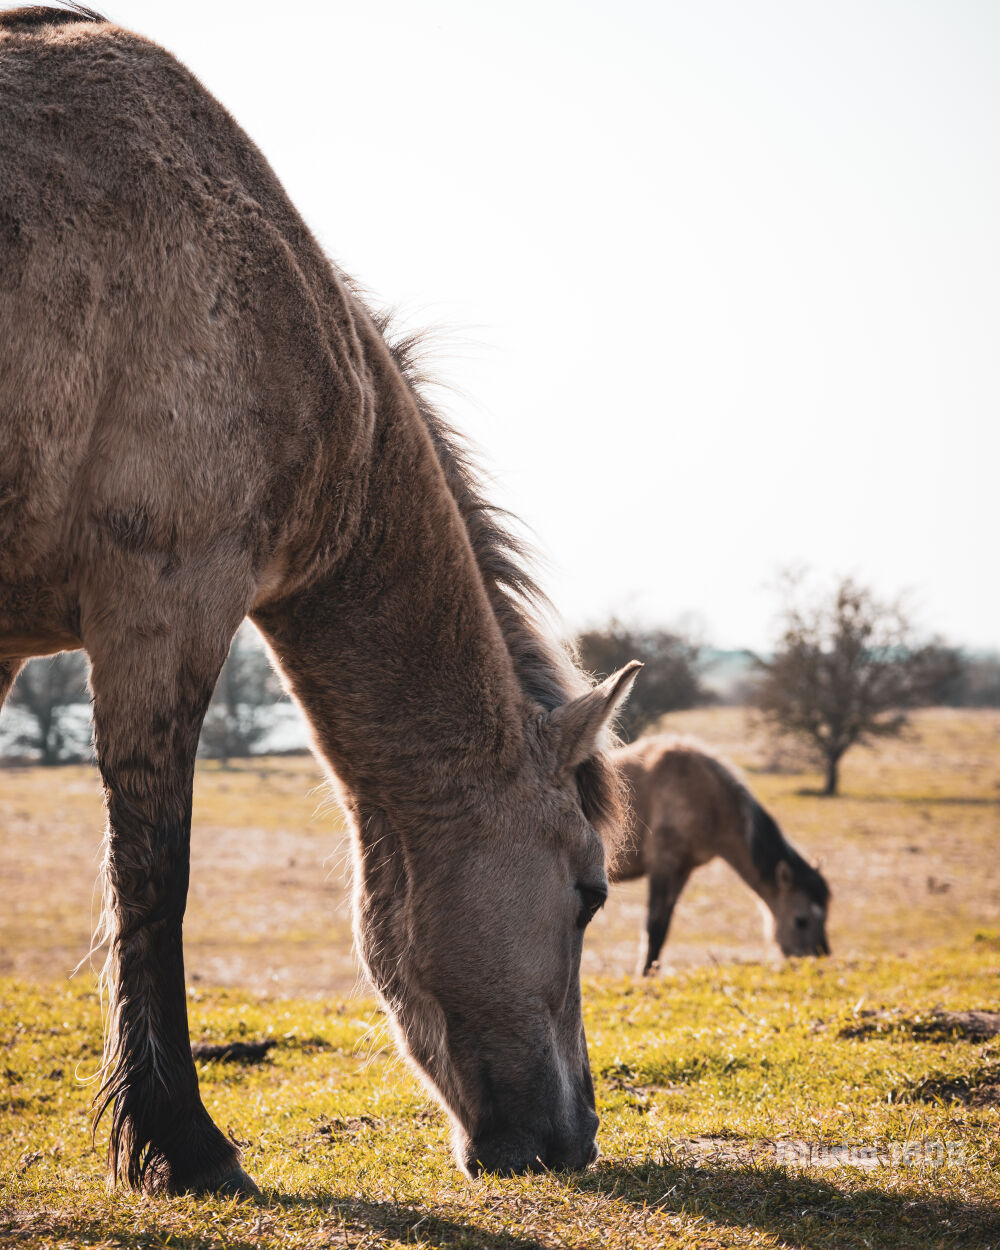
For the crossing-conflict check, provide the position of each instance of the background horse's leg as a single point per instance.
(9, 670)
(664, 890)
(150, 699)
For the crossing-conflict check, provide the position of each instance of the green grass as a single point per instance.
(698, 1076)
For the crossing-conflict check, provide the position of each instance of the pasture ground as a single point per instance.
(722, 1087)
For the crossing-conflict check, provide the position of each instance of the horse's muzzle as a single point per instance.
(515, 1154)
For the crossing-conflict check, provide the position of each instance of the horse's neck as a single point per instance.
(394, 653)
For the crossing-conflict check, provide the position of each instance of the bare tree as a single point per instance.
(43, 693)
(671, 677)
(846, 669)
(242, 709)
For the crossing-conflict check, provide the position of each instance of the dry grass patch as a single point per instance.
(910, 851)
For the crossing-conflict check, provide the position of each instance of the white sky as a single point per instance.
(721, 277)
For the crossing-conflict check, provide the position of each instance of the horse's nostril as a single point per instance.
(593, 1154)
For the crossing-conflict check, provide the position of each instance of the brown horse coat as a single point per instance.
(201, 421)
(687, 808)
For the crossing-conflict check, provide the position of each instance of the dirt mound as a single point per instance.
(233, 1052)
(973, 1089)
(937, 1024)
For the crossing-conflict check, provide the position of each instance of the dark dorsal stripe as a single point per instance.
(768, 846)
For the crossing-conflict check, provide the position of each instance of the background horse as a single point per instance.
(201, 421)
(687, 808)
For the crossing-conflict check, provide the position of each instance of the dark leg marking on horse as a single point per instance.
(664, 891)
(148, 713)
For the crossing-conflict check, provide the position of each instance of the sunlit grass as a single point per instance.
(699, 1075)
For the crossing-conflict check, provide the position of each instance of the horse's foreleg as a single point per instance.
(149, 704)
(664, 890)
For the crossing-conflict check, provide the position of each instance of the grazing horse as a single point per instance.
(201, 421)
(687, 808)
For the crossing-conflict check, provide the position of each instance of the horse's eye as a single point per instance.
(592, 899)
(801, 922)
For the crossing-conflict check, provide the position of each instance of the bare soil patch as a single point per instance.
(936, 1025)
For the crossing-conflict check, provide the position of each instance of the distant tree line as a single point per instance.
(52, 715)
(670, 681)
(46, 694)
(241, 713)
(845, 668)
(975, 682)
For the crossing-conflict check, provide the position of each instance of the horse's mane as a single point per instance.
(545, 670)
(768, 845)
(43, 15)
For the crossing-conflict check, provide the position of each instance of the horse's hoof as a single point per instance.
(225, 1182)
(235, 1184)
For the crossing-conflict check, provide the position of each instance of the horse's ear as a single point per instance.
(576, 727)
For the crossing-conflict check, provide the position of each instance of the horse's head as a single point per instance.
(802, 902)
(473, 938)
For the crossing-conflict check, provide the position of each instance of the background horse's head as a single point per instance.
(477, 954)
(800, 908)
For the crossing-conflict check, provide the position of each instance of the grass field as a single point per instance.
(722, 1086)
